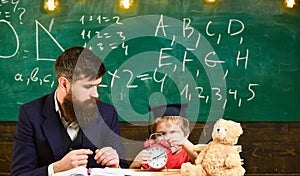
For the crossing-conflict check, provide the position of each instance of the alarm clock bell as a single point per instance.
(159, 149)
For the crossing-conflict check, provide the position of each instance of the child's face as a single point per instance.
(169, 130)
(173, 133)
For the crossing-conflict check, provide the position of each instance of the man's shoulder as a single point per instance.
(38, 108)
(107, 110)
(106, 106)
(39, 101)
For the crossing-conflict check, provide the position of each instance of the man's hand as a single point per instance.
(73, 159)
(107, 156)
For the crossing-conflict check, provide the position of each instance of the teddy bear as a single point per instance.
(219, 157)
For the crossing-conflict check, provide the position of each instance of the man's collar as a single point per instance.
(56, 104)
(64, 121)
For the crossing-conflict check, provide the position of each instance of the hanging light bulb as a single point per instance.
(290, 3)
(210, 1)
(126, 4)
(51, 5)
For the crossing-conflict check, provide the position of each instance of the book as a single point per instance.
(82, 171)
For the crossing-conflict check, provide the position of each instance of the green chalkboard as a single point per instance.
(238, 59)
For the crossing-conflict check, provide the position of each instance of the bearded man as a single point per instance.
(70, 127)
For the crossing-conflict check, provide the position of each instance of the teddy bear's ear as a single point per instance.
(221, 120)
(236, 128)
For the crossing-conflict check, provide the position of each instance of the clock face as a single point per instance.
(158, 158)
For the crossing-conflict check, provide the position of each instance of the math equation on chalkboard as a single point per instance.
(146, 56)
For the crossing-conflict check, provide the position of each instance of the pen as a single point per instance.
(89, 171)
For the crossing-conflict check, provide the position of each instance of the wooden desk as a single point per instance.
(115, 171)
(165, 172)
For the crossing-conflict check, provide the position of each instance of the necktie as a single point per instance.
(72, 130)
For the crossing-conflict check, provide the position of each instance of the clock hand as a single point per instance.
(158, 155)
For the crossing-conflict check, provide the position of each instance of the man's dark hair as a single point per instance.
(78, 62)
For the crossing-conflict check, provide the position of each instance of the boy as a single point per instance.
(175, 129)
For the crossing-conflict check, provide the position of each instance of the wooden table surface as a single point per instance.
(165, 172)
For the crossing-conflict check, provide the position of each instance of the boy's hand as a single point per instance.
(143, 157)
(177, 141)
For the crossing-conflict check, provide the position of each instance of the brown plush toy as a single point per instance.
(220, 157)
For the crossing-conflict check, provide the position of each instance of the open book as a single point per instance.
(82, 171)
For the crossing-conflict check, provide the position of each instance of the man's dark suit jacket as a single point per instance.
(38, 139)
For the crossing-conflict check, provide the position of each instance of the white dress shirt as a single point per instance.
(72, 130)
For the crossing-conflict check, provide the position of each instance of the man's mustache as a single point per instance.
(92, 100)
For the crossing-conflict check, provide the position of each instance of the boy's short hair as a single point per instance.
(183, 123)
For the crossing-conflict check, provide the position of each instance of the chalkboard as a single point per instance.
(238, 59)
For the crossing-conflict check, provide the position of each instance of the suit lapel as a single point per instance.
(51, 128)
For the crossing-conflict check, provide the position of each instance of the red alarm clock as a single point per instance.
(159, 149)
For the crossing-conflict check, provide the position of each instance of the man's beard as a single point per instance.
(85, 113)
